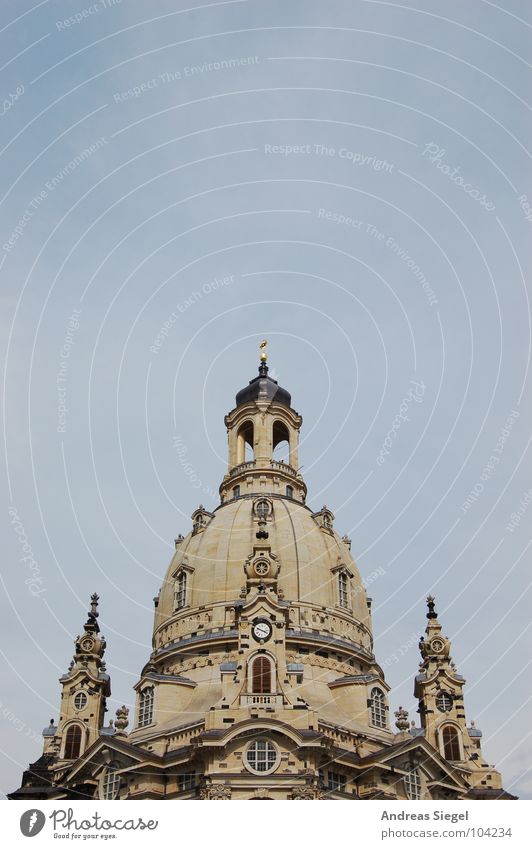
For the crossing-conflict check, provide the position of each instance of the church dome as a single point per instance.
(262, 682)
(263, 387)
(302, 546)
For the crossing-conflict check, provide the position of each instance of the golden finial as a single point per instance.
(263, 352)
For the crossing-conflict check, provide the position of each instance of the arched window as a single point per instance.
(236, 492)
(111, 782)
(146, 706)
(262, 509)
(261, 675)
(343, 590)
(180, 591)
(413, 783)
(378, 708)
(451, 743)
(73, 742)
(289, 491)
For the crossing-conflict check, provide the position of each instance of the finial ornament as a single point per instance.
(121, 721)
(401, 721)
(430, 604)
(93, 614)
(263, 351)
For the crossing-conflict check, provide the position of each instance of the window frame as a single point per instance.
(186, 781)
(456, 745)
(412, 783)
(80, 694)
(378, 711)
(69, 732)
(146, 706)
(336, 781)
(263, 677)
(258, 510)
(344, 595)
(110, 782)
(442, 697)
(180, 589)
(270, 748)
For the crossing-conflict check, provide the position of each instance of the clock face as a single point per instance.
(436, 645)
(87, 645)
(262, 630)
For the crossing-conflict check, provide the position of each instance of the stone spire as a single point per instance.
(439, 690)
(90, 644)
(86, 687)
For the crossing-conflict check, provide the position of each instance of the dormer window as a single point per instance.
(262, 508)
(342, 577)
(200, 519)
(146, 706)
(324, 518)
(180, 590)
(378, 708)
(343, 590)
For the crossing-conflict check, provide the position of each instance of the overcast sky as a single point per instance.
(350, 180)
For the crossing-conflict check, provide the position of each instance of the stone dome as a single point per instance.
(306, 552)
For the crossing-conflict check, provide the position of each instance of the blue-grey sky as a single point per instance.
(349, 179)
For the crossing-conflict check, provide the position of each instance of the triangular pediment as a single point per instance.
(438, 770)
(98, 754)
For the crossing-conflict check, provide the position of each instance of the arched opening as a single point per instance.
(261, 675)
(289, 491)
(280, 442)
(73, 742)
(244, 443)
(451, 743)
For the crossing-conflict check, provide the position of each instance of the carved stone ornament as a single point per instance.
(303, 793)
(215, 791)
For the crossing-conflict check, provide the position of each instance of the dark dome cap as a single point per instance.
(263, 388)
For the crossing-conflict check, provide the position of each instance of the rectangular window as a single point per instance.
(335, 781)
(187, 781)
